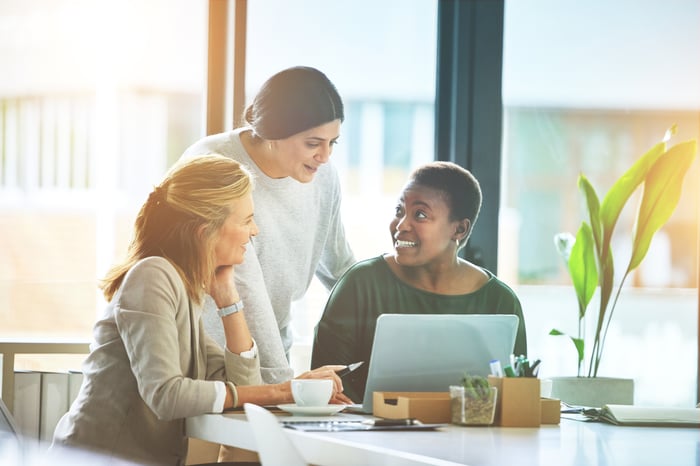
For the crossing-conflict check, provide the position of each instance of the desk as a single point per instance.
(570, 443)
(10, 347)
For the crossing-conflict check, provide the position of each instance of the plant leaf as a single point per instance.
(620, 192)
(593, 205)
(670, 132)
(578, 343)
(662, 191)
(582, 267)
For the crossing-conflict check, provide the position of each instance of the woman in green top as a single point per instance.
(424, 275)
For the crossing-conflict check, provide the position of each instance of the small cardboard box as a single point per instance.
(427, 407)
(517, 402)
(550, 411)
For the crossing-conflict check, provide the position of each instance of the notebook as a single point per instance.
(629, 415)
(428, 353)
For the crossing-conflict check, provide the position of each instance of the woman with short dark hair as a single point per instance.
(434, 217)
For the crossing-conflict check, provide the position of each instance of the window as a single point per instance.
(589, 88)
(95, 103)
(381, 57)
(89, 121)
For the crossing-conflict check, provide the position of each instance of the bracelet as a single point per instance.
(230, 309)
(234, 393)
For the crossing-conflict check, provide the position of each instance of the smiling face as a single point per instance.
(235, 233)
(300, 155)
(421, 230)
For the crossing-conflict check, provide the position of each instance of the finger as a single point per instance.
(340, 398)
(325, 372)
(337, 383)
(332, 367)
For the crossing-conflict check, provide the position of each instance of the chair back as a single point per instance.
(274, 446)
(10, 438)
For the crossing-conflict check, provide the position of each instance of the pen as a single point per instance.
(395, 422)
(496, 369)
(349, 368)
(509, 371)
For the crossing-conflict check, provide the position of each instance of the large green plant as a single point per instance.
(660, 173)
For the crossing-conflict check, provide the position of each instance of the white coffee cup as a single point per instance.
(312, 392)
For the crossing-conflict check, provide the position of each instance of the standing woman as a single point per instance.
(291, 128)
(151, 364)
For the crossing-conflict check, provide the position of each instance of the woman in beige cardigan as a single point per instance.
(151, 364)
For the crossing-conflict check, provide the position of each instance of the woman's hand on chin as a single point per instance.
(222, 288)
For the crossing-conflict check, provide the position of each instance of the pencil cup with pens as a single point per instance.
(518, 403)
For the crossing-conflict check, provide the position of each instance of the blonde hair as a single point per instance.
(180, 219)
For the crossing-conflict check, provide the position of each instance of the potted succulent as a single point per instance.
(473, 401)
(588, 255)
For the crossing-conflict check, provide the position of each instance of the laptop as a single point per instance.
(430, 352)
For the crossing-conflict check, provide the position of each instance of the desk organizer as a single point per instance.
(518, 402)
(550, 409)
(427, 407)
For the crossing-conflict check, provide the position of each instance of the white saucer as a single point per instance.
(311, 410)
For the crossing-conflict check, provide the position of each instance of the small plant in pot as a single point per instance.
(588, 255)
(473, 402)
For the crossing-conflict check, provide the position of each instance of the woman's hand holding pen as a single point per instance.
(329, 372)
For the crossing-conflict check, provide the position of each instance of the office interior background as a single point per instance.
(99, 98)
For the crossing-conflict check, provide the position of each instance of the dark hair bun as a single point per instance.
(294, 100)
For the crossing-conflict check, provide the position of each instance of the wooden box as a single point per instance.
(427, 407)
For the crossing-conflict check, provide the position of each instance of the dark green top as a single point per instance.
(345, 333)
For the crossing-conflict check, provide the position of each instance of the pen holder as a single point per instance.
(518, 403)
(469, 408)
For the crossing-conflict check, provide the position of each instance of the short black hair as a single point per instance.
(461, 188)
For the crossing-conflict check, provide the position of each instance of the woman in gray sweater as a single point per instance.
(151, 364)
(291, 127)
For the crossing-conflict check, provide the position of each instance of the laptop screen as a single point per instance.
(430, 352)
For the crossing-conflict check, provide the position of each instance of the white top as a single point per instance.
(301, 234)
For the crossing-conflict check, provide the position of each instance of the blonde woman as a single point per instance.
(151, 364)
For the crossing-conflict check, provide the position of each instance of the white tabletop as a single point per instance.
(570, 443)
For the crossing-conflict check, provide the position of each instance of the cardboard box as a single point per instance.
(518, 401)
(427, 407)
(550, 409)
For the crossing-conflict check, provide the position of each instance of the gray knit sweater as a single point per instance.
(301, 234)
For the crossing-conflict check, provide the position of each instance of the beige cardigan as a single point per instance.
(151, 365)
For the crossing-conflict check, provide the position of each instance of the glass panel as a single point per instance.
(95, 103)
(589, 90)
(381, 57)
